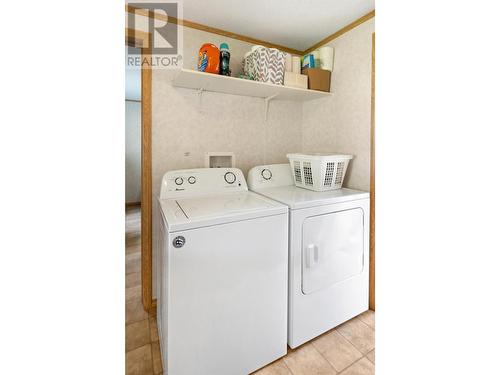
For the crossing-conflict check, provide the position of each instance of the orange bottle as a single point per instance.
(208, 59)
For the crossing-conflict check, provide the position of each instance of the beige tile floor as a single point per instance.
(142, 351)
(348, 349)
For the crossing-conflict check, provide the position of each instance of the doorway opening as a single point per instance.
(138, 151)
(132, 132)
(132, 179)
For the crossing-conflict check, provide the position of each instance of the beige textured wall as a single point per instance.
(341, 123)
(184, 128)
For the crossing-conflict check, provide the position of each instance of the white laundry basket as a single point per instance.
(319, 172)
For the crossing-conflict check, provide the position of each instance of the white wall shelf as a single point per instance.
(193, 79)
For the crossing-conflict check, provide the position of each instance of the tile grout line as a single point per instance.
(152, 360)
(149, 335)
(147, 319)
(321, 354)
(291, 371)
(352, 342)
(349, 341)
(369, 358)
(364, 355)
(151, 349)
(137, 348)
(352, 364)
(362, 321)
(284, 362)
(137, 321)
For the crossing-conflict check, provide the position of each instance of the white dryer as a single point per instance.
(222, 285)
(328, 251)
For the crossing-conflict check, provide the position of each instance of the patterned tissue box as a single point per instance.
(265, 65)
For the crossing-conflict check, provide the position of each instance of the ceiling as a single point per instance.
(296, 24)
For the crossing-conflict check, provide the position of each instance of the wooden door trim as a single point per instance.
(372, 183)
(143, 40)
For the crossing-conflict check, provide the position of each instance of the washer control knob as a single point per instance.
(266, 174)
(230, 177)
(192, 180)
(179, 180)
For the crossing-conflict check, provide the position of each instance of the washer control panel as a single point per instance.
(202, 181)
(230, 177)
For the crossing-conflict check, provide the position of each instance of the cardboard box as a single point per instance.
(319, 79)
(296, 80)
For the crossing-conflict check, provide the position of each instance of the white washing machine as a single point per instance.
(223, 264)
(328, 251)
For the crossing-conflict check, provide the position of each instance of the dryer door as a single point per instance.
(332, 249)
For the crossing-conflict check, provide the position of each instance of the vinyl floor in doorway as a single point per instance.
(348, 349)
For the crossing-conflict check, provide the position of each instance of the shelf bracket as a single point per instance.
(266, 101)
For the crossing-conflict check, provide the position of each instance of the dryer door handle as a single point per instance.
(312, 255)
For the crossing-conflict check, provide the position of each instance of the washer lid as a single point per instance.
(201, 211)
(296, 198)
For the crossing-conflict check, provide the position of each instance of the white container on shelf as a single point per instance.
(296, 80)
(319, 172)
(326, 58)
(296, 64)
(288, 62)
(316, 55)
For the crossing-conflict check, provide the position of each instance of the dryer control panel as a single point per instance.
(272, 175)
(199, 181)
